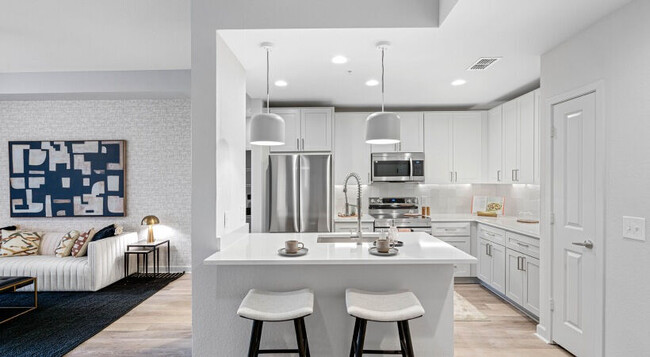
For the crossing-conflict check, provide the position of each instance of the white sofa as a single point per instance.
(103, 265)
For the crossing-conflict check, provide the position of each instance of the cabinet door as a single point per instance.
(510, 141)
(514, 276)
(461, 270)
(467, 146)
(411, 132)
(316, 129)
(351, 153)
(484, 271)
(291, 118)
(438, 147)
(495, 145)
(384, 148)
(498, 281)
(526, 159)
(538, 137)
(531, 285)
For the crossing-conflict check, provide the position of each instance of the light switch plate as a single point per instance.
(634, 228)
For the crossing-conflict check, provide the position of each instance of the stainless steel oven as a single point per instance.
(397, 167)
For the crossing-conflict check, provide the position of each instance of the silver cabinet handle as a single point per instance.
(518, 263)
(489, 246)
(455, 176)
(498, 175)
(451, 176)
(513, 175)
(517, 175)
(523, 245)
(523, 263)
(587, 244)
(297, 144)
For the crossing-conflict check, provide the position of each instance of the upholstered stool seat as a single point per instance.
(397, 306)
(269, 306)
(277, 306)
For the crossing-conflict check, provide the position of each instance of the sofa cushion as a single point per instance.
(53, 273)
(49, 242)
(81, 243)
(20, 243)
(108, 231)
(66, 242)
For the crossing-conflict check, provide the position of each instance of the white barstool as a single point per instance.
(398, 306)
(267, 306)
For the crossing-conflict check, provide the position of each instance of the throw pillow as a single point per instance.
(118, 230)
(9, 228)
(105, 232)
(20, 243)
(81, 244)
(65, 244)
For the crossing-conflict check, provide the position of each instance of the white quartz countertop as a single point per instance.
(262, 249)
(504, 222)
(365, 218)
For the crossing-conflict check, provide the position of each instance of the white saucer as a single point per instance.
(283, 252)
(391, 252)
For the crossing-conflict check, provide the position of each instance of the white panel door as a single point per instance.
(467, 146)
(498, 253)
(526, 159)
(438, 151)
(351, 153)
(574, 193)
(411, 132)
(514, 276)
(531, 285)
(291, 118)
(510, 141)
(484, 271)
(316, 129)
(495, 145)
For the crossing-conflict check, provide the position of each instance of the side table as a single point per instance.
(146, 247)
(10, 284)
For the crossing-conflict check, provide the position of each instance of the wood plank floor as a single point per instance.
(162, 326)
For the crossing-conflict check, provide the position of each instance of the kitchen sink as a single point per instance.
(346, 237)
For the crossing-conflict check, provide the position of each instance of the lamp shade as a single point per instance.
(383, 128)
(149, 220)
(267, 129)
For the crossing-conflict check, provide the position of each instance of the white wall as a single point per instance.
(616, 50)
(158, 153)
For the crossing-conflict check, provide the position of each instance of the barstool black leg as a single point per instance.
(300, 338)
(402, 340)
(361, 336)
(407, 337)
(256, 336)
(304, 334)
(355, 332)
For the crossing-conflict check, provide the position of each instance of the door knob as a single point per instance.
(587, 244)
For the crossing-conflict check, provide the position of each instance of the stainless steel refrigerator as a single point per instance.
(300, 193)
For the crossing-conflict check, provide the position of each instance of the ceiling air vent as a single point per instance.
(483, 63)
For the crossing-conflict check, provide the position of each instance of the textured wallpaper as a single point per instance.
(158, 159)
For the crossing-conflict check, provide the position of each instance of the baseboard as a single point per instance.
(466, 280)
(542, 333)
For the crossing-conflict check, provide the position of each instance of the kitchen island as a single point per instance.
(424, 265)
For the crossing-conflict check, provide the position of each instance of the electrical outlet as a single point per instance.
(634, 228)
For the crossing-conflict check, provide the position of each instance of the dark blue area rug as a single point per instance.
(63, 320)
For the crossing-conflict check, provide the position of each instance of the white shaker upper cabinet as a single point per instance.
(291, 118)
(411, 134)
(510, 141)
(495, 145)
(316, 129)
(467, 140)
(438, 153)
(351, 153)
(527, 107)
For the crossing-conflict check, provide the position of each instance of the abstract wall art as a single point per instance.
(67, 178)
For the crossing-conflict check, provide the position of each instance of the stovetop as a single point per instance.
(397, 210)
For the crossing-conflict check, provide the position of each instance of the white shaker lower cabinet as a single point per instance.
(492, 264)
(456, 234)
(522, 280)
(352, 227)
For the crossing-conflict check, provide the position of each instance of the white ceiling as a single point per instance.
(421, 63)
(94, 35)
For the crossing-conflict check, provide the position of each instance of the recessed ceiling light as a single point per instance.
(339, 59)
(458, 82)
(372, 83)
(280, 83)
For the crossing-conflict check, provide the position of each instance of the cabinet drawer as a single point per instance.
(449, 229)
(456, 240)
(352, 227)
(523, 244)
(492, 234)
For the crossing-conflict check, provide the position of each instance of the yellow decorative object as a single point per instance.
(150, 221)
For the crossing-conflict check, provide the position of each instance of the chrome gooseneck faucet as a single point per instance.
(358, 205)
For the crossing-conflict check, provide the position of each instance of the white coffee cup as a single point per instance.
(383, 245)
(293, 246)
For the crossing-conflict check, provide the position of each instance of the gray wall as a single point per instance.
(158, 148)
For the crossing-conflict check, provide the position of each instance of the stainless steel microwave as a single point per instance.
(397, 167)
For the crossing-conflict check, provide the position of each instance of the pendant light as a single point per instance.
(267, 129)
(383, 127)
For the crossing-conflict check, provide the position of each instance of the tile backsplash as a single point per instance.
(448, 198)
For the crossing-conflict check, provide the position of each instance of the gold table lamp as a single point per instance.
(150, 221)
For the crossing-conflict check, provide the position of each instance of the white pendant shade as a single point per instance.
(267, 129)
(383, 128)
